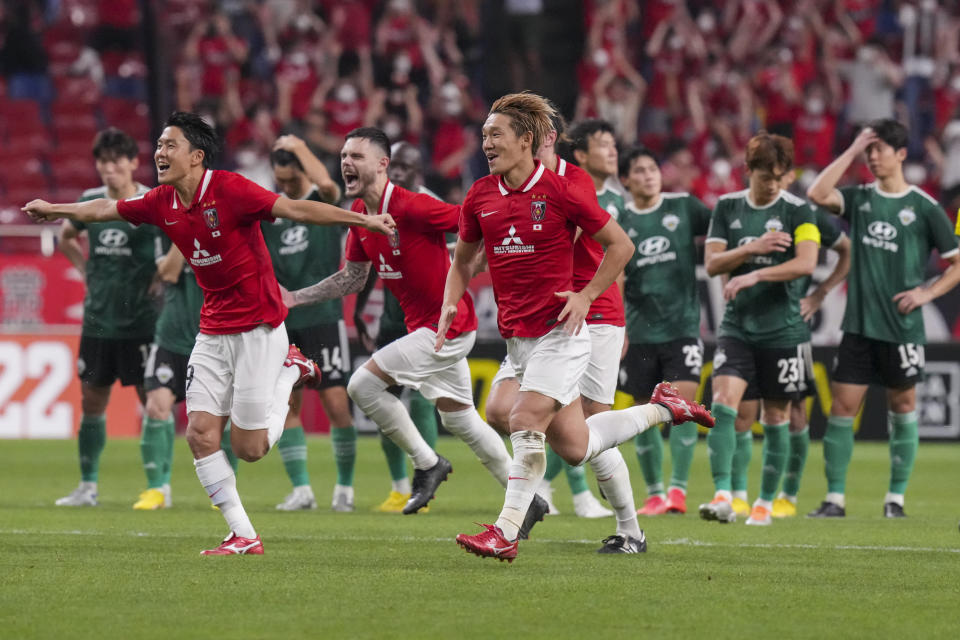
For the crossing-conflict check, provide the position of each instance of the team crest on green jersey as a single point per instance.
(773, 224)
(906, 216)
(671, 222)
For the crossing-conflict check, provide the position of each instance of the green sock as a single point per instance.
(799, 446)
(554, 465)
(741, 461)
(837, 451)
(396, 458)
(293, 450)
(683, 438)
(228, 449)
(576, 478)
(904, 440)
(776, 447)
(91, 440)
(153, 449)
(169, 438)
(424, 415)
(344, 453)
(649, 446)
(721, 443)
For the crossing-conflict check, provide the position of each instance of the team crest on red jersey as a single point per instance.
(538, 209)
(211, 218)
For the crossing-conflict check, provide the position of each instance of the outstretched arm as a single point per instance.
(350, 279)
(99, 210)
(326, 214)
(458, 277)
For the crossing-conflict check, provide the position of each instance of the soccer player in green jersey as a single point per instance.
(833, 238)
(894, 226)
(405, 170)
(167, 370)
(663, 317)
(118, 311)
(301, 255)
(766, 239)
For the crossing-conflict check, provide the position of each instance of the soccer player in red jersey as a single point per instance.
(526, 218)
(412, 262)
(242, 365)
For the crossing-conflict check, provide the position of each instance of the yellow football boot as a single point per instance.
(150, 500)
(740, 507)
(783, 508)
(394, 502)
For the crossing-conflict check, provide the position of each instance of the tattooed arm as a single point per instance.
(350, 279)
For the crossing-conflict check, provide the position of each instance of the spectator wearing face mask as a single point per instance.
(815, 129)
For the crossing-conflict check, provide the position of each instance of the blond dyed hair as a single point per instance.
(528, 112)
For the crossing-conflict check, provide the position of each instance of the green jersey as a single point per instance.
(392, 320)
(830, 235)
(768, 313)
(891, 235)
(612, 202)
(120, 269)
(179, 321)
(302, 255)
(660, 291)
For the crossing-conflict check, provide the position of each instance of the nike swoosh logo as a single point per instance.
(488, 213)
(168, 223)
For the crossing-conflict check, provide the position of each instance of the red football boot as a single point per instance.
(676, 501)
(682, 411)
(654, 506)
(234, 545)
(309, 373)
(489, 544)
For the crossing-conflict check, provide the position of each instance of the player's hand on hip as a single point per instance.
(447, 314)
(810, 305)
(381, 224)
(738, 284)
(911, 299)
(574, 312)
(38, 210)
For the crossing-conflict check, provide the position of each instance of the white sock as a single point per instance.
(482, 440)
(401, 486)
(526, 472)
(740, 495)
(611, 428)
(371, 395)
(783, 496)
(281, 403)
(723, 494)
(896, 498)
(614, 480)
(216, 476)
(837, 499)
(766, 504)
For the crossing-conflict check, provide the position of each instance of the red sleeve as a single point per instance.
(140, 209)
(426, 213)
(257, 201)
(583, 210)
(354, 250)
(469, 224)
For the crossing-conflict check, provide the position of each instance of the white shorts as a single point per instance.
(551, 364)
(412, 362)
(235, 375)
(599, 382)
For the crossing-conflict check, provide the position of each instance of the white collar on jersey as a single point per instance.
(561, 167)
(533, 180)
(207, 175)
(385, 199)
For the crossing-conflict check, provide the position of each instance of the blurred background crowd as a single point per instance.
(692, 80)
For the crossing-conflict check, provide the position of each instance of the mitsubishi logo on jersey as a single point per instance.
(512, 244)
(201, 257)
(881, 235)
(113, 242)
(386, 271)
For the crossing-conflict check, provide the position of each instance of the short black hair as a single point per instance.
(376, 137)
(557, 121)
(112, 143)
(890, 131)
(626, 159)
(198, 133)
(581, 133)
(284, 158)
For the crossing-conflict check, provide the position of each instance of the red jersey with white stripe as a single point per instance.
(587, 254)
(219, 236)
(413, 261)
(528, 238)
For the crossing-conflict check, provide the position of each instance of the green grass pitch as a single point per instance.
(110, 572)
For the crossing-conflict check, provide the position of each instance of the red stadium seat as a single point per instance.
(75, 93)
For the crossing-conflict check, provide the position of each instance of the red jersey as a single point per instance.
(587, 254)
(219, 235)
(528, 238)
(414, 260)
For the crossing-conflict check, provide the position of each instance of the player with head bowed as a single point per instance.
(525, 218)
(412, 262)
(242, 364)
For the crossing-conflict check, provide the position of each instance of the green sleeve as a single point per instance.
(830, 233)
(718, 223)
(849, 195)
